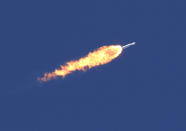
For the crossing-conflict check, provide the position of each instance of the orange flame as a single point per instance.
(102, 55)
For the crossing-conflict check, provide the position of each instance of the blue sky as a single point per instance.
(143, 89)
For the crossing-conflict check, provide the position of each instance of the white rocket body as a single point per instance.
(128, 45)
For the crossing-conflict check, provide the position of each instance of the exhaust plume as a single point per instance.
(102, 55)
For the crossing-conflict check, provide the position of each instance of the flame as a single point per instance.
(102, 55)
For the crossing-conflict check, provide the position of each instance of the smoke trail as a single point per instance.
(102, 55)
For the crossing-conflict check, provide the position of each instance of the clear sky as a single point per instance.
(142, 90)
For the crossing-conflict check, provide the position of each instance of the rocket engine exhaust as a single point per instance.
(101, 56)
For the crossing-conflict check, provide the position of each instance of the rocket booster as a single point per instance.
(128, 45)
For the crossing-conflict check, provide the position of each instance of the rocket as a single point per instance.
(130, 44)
